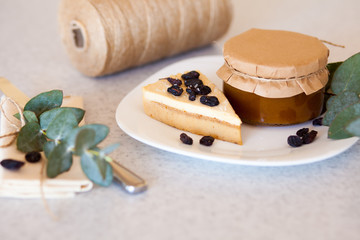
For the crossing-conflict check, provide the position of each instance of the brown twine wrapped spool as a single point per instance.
(106, 36)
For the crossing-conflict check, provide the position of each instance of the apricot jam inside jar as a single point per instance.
(254, 109)
(274, 77)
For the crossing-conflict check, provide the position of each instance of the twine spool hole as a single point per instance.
(79, 35)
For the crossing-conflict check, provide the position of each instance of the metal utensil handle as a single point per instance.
(131, 182)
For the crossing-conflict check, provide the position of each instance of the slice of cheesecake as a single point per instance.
(199, 107)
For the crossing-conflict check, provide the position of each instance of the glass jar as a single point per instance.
(258, 110)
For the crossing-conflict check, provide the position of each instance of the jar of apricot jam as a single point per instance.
(274, 77)
(258, 110)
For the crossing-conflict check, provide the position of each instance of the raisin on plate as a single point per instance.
(186, 139)
(309, 137)
(207, 141)
(317, 122)
(301, 132)
(294, 141)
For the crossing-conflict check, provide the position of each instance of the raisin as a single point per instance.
(294, 141)
(175, 90)
(33, 157)
(203, 90)
(186, 139)
(190, 90)
(211, 101)
(207, 141)
(11, 164)
(174, 81)
(301, 132)
(190, 75)
(193, 83)
(192, 96)
(317, 122)
(309, 137)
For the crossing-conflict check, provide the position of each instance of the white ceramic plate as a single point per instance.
(263, 146)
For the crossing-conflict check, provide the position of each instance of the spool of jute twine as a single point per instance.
(107, 36)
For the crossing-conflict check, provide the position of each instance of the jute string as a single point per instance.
(106, 36)
(333, 44)
(17, 128)
(13, 135)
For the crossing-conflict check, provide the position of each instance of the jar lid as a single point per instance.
(275, 63)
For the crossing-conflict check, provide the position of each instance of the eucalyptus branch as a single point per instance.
(55, 130)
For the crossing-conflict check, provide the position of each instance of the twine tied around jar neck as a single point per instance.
(293, 78)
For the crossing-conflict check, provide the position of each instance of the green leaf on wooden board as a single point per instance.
(47, 117)
(44, 102)
(341, 121)
(337, 103)
(96, 169)
(347, 76)
(30, 138)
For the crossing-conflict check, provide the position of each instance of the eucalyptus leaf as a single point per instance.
(354, 127)
(108, 149)
(347, 76)
(332, 67)
(30, 138)
(96, 169)
(330, 101)
(101, 164)
(61, 125)
(44, 102)
(48, 148)
(338, 125)
(337, 103)
(84, 141)
(59, 160)
(17, 116)
(47, 117)
(30, 116)
(101, 131)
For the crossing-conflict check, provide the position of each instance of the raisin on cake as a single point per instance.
(191, 102)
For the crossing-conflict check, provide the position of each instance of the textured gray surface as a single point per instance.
(188, 198)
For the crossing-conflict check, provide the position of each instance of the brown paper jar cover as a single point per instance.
(274, 77)
(275, 63)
